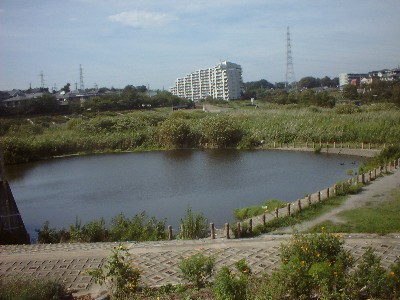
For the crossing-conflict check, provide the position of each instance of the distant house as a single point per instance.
(19, 98)
(68, 98)
(359, 78)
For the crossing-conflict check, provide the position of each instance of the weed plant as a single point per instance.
(197, 269)
(119, 275)
(138, 228)
(32, 289)
(231, 284)
(193, 226)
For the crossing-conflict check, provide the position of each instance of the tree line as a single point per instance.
(130, 97)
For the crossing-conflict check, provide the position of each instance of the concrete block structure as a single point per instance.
(223, 81)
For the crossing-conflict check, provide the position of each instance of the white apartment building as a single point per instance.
(224, 81)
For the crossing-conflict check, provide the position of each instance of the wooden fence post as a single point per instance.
(334, 190)
(299, 205)
(251, 226)
(239, 233)
(263, 219)
(288, 209)
(170, 237)
(327, 193)
(227, 231)
(363, 178)
(212, 228)
(276, 213)
(319, 197)
(309, 200)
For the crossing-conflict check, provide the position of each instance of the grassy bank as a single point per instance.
(379, 217)
(32, 139)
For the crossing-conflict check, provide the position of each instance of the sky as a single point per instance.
(153, 42)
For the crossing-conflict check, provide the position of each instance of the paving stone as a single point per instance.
(159, 261)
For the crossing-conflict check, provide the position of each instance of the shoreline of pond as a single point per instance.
(367, 153)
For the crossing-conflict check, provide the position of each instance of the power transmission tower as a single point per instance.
(290, 79)
(81, 86)
(41, 79)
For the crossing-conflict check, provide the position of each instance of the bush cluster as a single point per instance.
(193, 226)
(244, 129)
(32, 289)
(138, 228)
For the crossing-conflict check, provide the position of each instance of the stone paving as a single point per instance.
(159, 260)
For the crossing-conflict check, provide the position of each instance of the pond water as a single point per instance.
(166, 183)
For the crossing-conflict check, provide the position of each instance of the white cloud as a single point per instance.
(142, 18)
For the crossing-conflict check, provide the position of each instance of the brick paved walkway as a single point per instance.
(159, 260)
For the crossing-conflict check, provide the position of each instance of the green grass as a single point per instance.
(380, 218)
(132, 130)
(308, 213)
(256, 210)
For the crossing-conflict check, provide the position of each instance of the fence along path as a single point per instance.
(317, 197)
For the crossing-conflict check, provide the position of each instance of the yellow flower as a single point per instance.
(392, 273)
(318, 254)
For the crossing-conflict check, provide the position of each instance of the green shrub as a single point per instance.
(31, 289)
(175, 133)
(193, 226)
(312, 266)
(347, 109)
(344, 188)
(231, 285)
(394, 279)
(197, 269)
(139, 228)
(221, 131)
(118, 274)
(48, 235)
(370, 279)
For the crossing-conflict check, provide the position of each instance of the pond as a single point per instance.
(166, 183)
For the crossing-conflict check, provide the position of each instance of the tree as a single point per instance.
(325, 81)
(66, 88)
(41, 105)
(350, 92)
(308, 82)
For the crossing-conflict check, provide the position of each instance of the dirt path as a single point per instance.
(378, 190)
